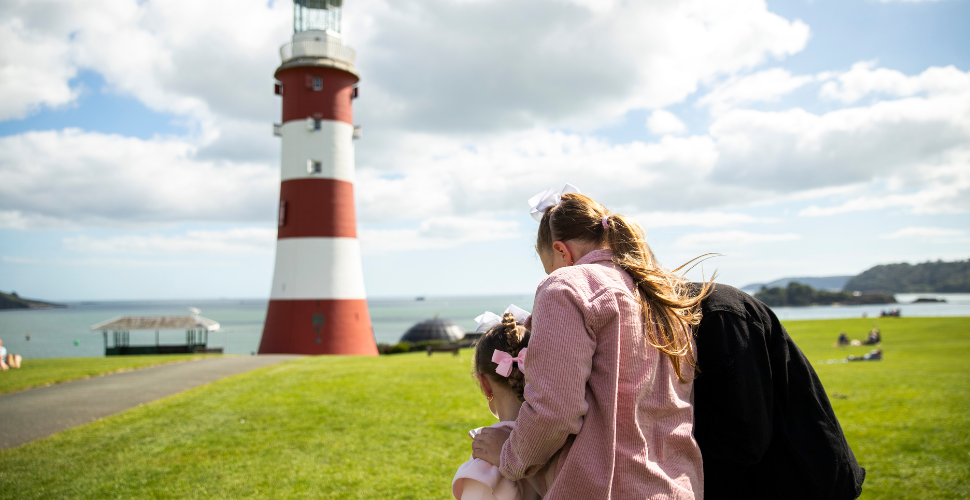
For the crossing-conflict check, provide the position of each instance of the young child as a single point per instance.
(609, 378)
(498, 366)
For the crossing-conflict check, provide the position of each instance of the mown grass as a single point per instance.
(395, 426)
(322, 427)
(40, 372)
(906, 417)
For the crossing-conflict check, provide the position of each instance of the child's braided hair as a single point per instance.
(509, 337)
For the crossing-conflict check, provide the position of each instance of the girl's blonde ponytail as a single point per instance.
(670, 309)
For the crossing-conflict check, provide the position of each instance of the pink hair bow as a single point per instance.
(505, 360)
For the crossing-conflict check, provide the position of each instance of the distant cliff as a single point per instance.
(797, 295)
(827, 283)
(939, 277)
(13, 301)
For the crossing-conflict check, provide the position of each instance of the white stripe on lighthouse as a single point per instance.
(332, 145)
(318, 268)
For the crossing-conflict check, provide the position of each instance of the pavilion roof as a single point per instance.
(193, 322)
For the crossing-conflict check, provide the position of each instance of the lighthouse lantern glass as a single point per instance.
(316, 15)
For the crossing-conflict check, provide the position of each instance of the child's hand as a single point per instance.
(488, 445)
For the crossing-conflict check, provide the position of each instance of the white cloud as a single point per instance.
(34, 71)
(913, 146)
(121, 263)
(228, 242)
(699, 219)
(15, 219)
(579, 63)
(932, 234)
(910, 147)
(82, 177)
(432, 150)
(765, 86)
(909, 152)
(865, 78)
(438, 232)
(913, 141)
(180, 57)
(540, 67)
(662, 121)
(927, 189)
(718, 240)
(440, 176)
(20, 260)
(189, 58)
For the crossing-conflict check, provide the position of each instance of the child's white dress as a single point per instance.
(480, 480)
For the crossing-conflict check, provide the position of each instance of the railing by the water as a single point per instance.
(318, 48)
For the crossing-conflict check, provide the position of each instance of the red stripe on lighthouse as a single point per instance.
(318, 327)
(318, 208)
(331, 102)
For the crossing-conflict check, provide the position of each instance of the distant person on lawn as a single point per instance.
(8, 361)
(843, 339)
(873, 337)
(761, 416)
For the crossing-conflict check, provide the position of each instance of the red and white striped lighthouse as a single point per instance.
(318, 304)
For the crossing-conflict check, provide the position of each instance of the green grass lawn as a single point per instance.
(907, 417)
(39, 372)
(395, 426)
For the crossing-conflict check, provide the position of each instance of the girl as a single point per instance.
(610, 365)
(498, 366)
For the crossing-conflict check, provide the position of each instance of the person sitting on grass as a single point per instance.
(8, 361)
(873, 337)
(498, 365)
(843, 339)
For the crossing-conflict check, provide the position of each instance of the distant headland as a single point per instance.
(873, 286)
(926, 277)
(13, 301)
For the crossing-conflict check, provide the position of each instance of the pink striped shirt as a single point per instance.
(599, 392)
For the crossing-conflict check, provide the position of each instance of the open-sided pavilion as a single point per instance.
(196, 329)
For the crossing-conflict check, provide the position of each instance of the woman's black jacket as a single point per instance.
(763, 422)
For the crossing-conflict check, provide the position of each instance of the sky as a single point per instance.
(793, 137)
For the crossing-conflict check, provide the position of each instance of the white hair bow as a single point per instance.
(548, 199)
(489, 319)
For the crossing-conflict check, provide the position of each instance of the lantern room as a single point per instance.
(323, 15)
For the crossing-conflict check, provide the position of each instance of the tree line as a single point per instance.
(927, 277)
(797, 294)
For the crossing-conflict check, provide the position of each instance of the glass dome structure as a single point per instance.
(434, 329)
(321, 15)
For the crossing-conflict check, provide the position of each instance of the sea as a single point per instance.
(65, 332)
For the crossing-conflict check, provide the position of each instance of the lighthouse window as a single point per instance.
(313, 124)
(318, 320)
(314, 167)
(317, 83)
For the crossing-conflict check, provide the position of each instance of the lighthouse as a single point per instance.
(317, 304)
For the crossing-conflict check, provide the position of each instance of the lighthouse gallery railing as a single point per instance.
(318, 48)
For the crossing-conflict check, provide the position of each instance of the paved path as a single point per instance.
(40, 412)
